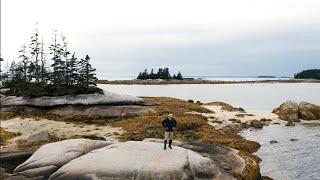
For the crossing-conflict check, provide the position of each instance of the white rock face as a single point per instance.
(141, 160)
(50, 157)
(80, 99)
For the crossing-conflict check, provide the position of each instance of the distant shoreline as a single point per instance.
(200, 81)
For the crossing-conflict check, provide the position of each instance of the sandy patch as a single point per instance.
(28, 127)
(222, 118)
(310, 121)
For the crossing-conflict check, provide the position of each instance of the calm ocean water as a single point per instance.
(286, 160)
(252, 97)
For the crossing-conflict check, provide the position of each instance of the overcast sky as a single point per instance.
(198, 37)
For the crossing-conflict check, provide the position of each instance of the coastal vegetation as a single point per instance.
(31, 76)
(308, 74)
(192, 127)
(163, 73)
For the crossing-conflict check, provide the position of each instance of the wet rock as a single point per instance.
(273, 142)
(287, 111)
(293, 139)
(199, 103)
(266, 178)
(235, 120)
(191, 101)
(308, 111)
(297, 121)
(276, 123)
(216, 121)
(265, 120)
(290, 123)
(244, 125)
(50, 157)
(256, 124)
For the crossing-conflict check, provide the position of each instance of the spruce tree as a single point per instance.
(58, 74)
(65, 53)
(72, 70)
(25, 62)
(152, 75)
(44, 74)
(160, 73)
(87, 75)
(35, 51)
(139, 76)
(179, 76)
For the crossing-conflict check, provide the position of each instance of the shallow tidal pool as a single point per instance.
(295, 156)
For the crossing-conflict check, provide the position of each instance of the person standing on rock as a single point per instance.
(169, 124)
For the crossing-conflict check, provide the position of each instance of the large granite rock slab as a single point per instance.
(141, 160)
(227, 158)
(81, 99)
(288, 111)
(308, 111)
(90, 159)
(50, 157)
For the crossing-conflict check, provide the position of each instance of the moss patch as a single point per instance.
(6, 135)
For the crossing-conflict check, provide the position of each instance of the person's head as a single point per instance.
(169, 116)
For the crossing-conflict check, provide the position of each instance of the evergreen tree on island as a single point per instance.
(32, 77)
(308, 74)
(163, 73)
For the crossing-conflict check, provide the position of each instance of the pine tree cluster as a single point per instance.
(31, 76)
(308, 74)
(163, 73)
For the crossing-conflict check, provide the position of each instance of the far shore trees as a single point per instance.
(31, 76)
(163, 73)
(308, 74)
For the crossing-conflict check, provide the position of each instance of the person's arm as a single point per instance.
(174, 123)
(164, 123)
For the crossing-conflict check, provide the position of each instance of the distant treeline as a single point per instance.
(31, 76)
(308, 74)
(163, 73)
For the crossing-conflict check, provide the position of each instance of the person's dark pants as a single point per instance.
(168, 136)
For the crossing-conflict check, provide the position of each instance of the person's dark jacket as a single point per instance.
(169, 124)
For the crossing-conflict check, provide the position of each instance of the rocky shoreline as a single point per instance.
(199, 81)
(202, 127)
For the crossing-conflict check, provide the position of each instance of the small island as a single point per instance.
(308, 74)
(163, 73)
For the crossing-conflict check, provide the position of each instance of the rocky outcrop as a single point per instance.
(256, 124)
(141, 160)
(273, 142)
(50, 157)
(308, 111)
(225, 106)
(81, 99)
(288, 111)
(102, 110)
(290, 123)
(145, 159)
(291, 111)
